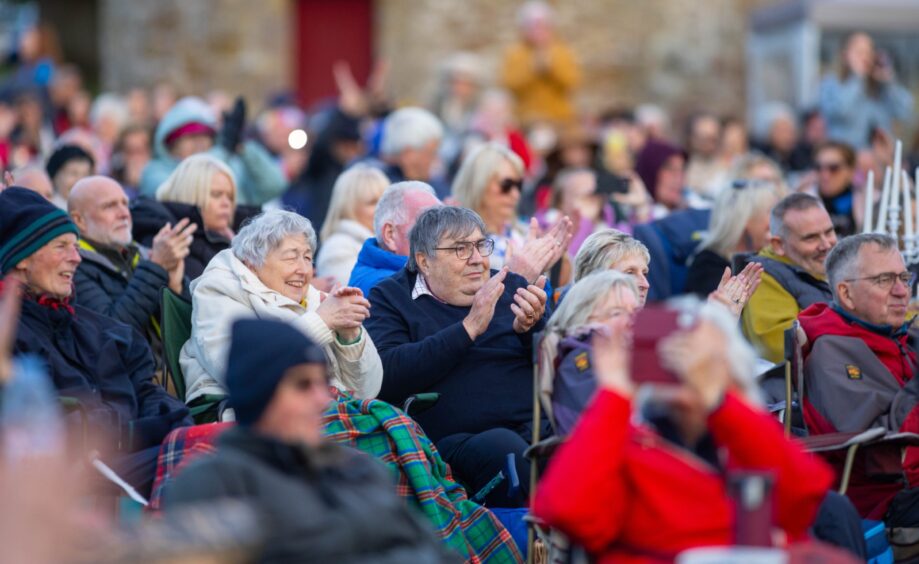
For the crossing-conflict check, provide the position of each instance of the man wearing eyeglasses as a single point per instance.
(447, 323)
(860, 356)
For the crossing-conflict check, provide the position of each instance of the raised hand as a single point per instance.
(10, 302)
(698, 356)
(735, 291)
(541, 250)
(483, 304)
(344, 310)
(529, 305)
(171, 244)
(610, 356)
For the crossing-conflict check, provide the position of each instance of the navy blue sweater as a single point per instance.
(424, 347)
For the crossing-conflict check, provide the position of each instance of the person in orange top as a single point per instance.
(656, 488)
(540, 70)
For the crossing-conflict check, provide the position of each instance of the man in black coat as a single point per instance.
(105, 364)
(118, 277)
(319, 501)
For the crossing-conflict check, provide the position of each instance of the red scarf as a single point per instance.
(46, 300)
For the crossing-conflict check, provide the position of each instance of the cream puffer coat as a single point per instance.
(229, 290)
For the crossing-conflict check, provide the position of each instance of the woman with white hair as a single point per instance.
(606, 298)
(660, 461)
(267, 274)
(739, 222)
(490, 182)
(349, 221)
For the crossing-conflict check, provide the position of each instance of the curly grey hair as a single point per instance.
(435, 223)
(264, 232)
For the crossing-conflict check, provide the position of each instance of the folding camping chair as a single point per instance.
(869, 440)
(175, 323)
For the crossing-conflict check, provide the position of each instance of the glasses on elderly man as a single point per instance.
(463, 249)
(886, 279)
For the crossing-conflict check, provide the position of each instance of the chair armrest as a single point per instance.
(420, 403)
(839, 441)
(544, 448)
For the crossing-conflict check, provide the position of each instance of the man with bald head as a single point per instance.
(35, 179)
(118, 277)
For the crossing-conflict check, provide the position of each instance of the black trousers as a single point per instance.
(839, 524)
(476, 458)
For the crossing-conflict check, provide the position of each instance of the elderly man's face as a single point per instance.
(50, 269)
(288, 268)
(294, 414)
(870, 294)
(101, 213)
(396, 236)
(808, 239)
(450, 278)
(635, 266)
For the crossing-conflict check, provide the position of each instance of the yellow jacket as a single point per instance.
(541, 93)
(769, 313)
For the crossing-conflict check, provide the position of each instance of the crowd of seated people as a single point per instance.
(467, 258)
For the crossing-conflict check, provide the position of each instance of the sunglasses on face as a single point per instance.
(829, 167)
(507, 184)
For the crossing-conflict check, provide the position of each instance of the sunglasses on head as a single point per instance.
(507, 184)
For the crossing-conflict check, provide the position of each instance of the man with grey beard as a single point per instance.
(118, 277)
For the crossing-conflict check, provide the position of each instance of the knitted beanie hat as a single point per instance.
(27, 223)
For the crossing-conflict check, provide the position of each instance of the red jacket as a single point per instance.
(627, 495)
(857, 377)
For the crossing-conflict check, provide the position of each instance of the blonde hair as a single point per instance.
(351, 188)
(190, 182)
(584, 296)
(478, 170)
(736, 204)
(606, 247)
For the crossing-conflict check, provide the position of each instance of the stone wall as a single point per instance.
(197, 45)
(684, 55)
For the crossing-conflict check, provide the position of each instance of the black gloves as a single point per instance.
(234, 123)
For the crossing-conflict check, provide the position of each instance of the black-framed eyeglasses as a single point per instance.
(463, 249)
(508, 184)
(886, 279)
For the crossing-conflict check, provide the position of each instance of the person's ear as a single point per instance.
(777, 246)
(77, 218)
(389, 236)
(421, 260)
(844, 296)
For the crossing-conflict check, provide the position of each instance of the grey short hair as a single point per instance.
(391, 206)
(409, 128)
(584, 296)
(435, 223)
(605, 247)
(264, 232)
(799, 201)
(842, 261)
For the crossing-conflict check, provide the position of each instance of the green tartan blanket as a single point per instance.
(422, 477)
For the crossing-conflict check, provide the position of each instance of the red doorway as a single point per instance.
(327, 31)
